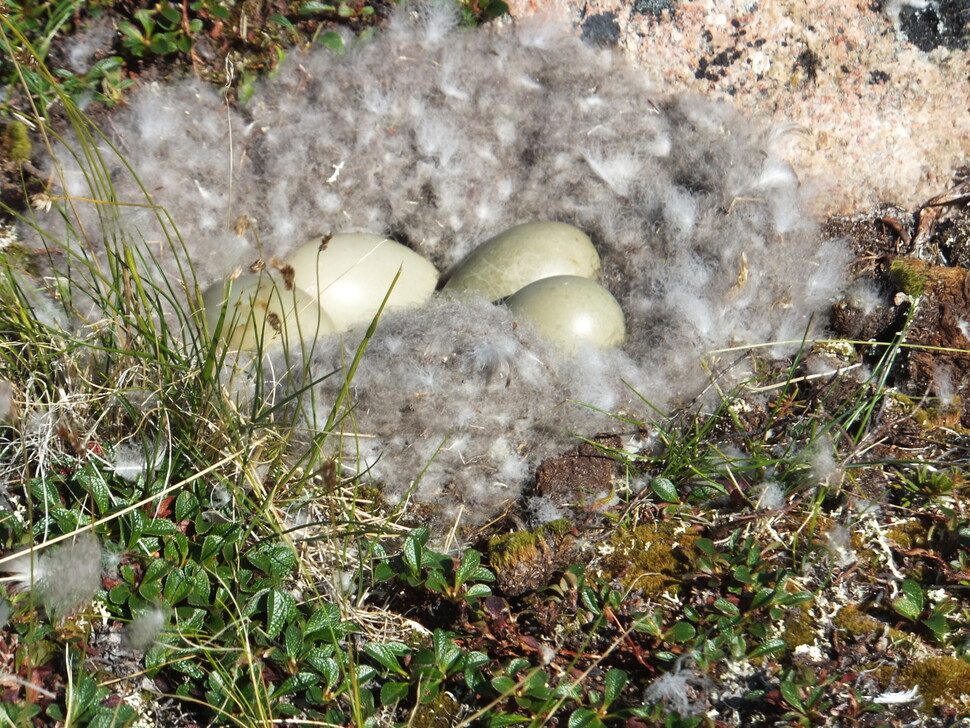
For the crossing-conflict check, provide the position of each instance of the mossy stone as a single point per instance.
(526, 560)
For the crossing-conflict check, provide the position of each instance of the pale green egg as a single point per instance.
(351, 273)
(261, 311)
(521, 255)
(572, 311)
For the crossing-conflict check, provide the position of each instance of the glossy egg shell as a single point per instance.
(522, 255)
(572, 311)
(350, 273)
(259, 310)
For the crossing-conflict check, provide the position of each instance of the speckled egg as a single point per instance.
(351, 273)
(259, 310)
(571, 311)
(521, 255)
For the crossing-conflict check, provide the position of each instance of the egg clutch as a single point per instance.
(545, 272)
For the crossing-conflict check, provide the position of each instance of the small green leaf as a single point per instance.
(705, 546)
(159, 527)
(584, 718)
(907, 608)
(391, 692)
(768, 647)
(726, 607)
(411, 555)
(293, 639)
(478, 591)
(329, 668)
(95, 484)
(333, 42)
(186, 506)
(281, 20)
(665, 490)
(315, 7)
(938, 625)
(613, 685)
(910, 604)
(503, 685)
(280, 606)
(273, 559)
(681, 632)
(296, 683)
(789, 691)
(384, 655)
(446, 652)
(324, 616)
(501, 720)
(470, 561)
(157, 568)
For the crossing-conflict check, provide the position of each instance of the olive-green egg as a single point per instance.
(521, 255)
(260, 310)
(571, 311)
(351, 273)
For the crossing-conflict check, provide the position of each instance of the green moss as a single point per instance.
(651, 558)
(509, 549)
(909, 534)
(909, 275)
(853, 620)
(16, 142)
(942, 681)
(442, 712)
(799, 627)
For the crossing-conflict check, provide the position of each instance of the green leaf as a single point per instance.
(724, 606)
(273, 559)
(186, 506)
(938, 625)
(588, 598)
(474, 660)
(681, 632)
(281, 20)
(295, 683)
(95, 484)
(411, 554)
(613, 685)
(768, 647)
(280, 606)
(705, 546)
(789, 691)
(316, 7)
(477, 591)
(329, 668)
(333, 42)
(386, 656)
(159, 527)
(446, 652)
(910, 604)
(503, 685)
(495, 9)
(157, 568)
(584, 718)
(177, 586)
(665, 490)
(501, 720)
(324, 616)
(470, 562)
(293, 639)
(391, 692)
